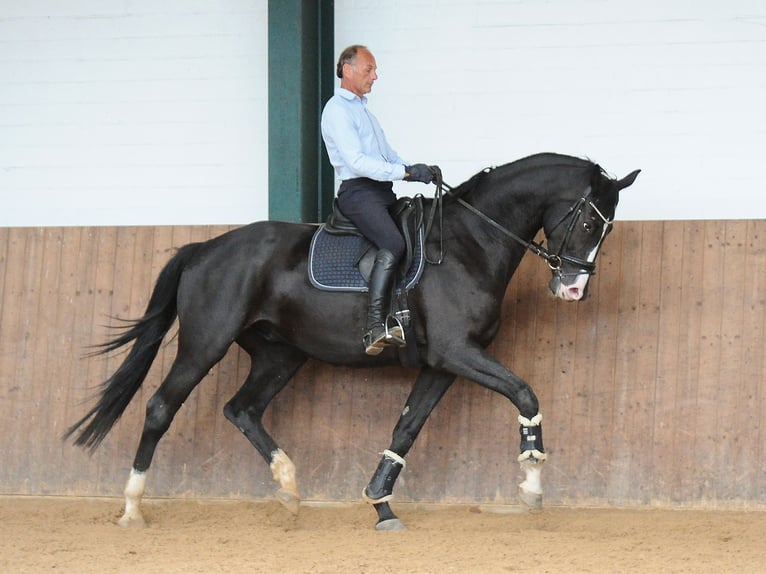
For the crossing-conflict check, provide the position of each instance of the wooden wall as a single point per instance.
(652, 390)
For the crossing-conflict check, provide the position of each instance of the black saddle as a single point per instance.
(341, 258)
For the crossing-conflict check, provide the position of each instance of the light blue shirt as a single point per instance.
(355, 142)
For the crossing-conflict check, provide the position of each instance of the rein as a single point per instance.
(554, 260)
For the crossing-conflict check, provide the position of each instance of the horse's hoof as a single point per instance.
(289, 500)
(532, 500)
(136, 521)
(390, 525)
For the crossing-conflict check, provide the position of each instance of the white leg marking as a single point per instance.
(134, 491)
(532, 483)
(283, 471)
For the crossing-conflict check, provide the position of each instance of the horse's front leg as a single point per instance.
(427, 391)
(474, 363)
(531, 458)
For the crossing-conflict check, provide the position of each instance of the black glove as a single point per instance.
(419, 172)
(436, 172)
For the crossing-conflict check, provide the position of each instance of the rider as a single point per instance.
(367, 165)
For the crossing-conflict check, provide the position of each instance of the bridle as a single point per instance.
(555, 261)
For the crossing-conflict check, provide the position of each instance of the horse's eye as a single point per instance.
(587, 226)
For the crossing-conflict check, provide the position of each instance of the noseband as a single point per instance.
(554, 260)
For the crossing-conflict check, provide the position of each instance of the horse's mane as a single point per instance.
(530, 162)
(468, 185)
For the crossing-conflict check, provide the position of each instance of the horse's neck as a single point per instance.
(501, 253)
(518, 214)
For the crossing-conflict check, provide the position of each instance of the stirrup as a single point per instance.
(387, 337)
(395, 335)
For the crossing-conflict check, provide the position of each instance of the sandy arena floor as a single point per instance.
(80, 536)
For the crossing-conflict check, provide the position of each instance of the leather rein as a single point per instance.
(554, 260)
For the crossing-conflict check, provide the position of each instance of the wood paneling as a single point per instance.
(652, 389)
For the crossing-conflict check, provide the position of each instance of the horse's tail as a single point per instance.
(148, 333)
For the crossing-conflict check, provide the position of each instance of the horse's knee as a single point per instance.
(283, 471)
(526, 402)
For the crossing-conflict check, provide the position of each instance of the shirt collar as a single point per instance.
(349, 95)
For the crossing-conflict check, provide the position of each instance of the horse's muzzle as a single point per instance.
(575, 290)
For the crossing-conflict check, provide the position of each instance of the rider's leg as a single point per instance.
(367, 206)
(377, 335)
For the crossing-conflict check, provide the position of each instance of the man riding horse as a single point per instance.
(251, 286)
(367, 165)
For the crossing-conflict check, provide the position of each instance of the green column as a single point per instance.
(301, 61)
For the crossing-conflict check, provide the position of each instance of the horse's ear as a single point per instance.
(628, 180)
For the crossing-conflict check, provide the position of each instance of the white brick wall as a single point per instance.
(142, 112)
(133, 112)
(673, 87)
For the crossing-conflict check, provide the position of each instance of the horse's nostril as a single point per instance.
(574, 292)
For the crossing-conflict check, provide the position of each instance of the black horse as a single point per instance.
(251, 286)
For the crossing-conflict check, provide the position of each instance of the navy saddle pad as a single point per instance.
(333, 262)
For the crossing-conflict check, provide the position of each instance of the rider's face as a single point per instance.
(359, 76)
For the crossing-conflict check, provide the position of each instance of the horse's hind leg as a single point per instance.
(184, 375)
(273, 365)
(427, 391)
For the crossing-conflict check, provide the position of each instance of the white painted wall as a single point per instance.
(139, 112)
(676, 88)
(133, 112)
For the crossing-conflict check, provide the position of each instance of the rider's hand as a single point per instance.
(419, 172)
(436, 172)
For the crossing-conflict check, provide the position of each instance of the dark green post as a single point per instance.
(301, 62)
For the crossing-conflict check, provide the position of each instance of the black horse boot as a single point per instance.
(379, 335)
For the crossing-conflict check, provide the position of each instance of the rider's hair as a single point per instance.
(347, 56)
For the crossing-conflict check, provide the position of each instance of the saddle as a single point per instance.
(341, 258)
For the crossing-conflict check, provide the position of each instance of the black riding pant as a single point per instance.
(366, 202)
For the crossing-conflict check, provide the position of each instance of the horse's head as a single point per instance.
(576, 231)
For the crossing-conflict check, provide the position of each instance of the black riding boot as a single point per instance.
(379, 335)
